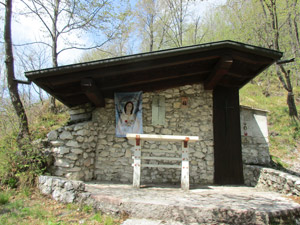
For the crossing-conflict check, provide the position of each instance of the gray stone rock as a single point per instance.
(87, 162)
(46, 189)
(82, 132)
(62, 150)
(77, 151)
(42, 179)
(73, 144)
(74, 169)
(57, 143)
(71, 156)
(80, 139)
(66, 135)
(52, 135)
(56, 195)
(69, 185)
(199, 154)
(58, 182)
(63, 163)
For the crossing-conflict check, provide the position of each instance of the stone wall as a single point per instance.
(73, 148)
(114, 155)
(271, 179)
(90, 150)
(255, 139)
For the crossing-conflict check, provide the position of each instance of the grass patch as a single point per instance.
(38, 209)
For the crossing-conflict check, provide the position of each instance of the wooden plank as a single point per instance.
(162, 166)
(157, 137)
(161, 158)
(159, 151)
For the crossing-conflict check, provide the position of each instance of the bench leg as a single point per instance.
(185, 175)
(137, 167)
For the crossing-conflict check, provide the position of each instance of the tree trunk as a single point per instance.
(10, 75)
(286, 80)
(151, 30)
(53, 107)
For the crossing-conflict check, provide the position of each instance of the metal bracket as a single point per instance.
(137, 140)
(185, 142)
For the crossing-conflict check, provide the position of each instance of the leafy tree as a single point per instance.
(61, 18)
(268, 23)
(150, 23)
(283, 74)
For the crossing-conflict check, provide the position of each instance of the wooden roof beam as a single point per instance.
(138, 82)
(90, 89)
(221, 68)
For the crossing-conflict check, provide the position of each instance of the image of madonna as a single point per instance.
(128, 118)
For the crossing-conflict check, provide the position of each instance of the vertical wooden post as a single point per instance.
(185, 181)
(137, 163)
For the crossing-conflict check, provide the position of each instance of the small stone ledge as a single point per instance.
(63, 190)
(271, 179)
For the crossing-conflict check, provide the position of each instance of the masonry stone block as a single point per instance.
(73, 144)
(52, 135)
(66, 135)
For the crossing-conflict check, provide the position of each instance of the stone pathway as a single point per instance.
(201, 205)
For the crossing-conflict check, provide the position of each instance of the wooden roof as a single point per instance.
(224, 63)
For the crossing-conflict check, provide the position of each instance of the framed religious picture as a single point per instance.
(128, 107)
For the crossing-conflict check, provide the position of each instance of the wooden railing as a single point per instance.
(137, 164)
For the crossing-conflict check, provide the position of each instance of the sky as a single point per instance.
(28, 29)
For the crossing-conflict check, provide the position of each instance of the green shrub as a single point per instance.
(4, 198)
(19, 167)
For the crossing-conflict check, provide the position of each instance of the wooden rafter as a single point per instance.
(221, 68)
(89, 87)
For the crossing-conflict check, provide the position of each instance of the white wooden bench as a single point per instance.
(137, 164)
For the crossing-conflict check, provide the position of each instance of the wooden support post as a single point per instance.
(185, 181)
(137, 163)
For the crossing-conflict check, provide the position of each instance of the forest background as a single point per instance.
(70, 31)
